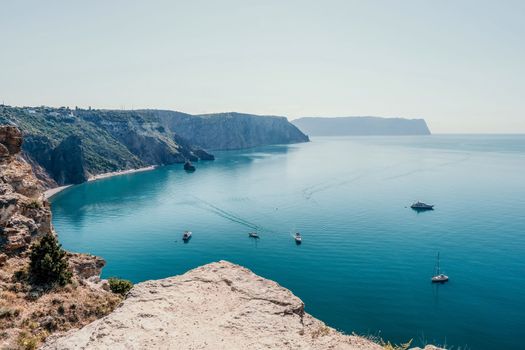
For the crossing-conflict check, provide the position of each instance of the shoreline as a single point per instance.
(120, 172)
(53, 191)
(48, 194)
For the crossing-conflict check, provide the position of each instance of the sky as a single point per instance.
(458, 64)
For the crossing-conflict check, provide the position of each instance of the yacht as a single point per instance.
(298, 238)
(253, 235)
(422, 206)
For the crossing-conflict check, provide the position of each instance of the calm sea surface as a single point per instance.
(366, 259)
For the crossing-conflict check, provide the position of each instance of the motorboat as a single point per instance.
(421, 206)
(186, 236)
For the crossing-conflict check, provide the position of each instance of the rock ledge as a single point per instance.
(216, 306)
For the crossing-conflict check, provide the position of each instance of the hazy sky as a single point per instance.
(458, 64)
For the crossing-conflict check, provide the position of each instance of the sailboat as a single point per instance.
(439, 277)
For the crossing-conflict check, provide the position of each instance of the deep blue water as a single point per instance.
(366, 259)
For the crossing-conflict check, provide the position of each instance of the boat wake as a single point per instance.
(430, 168)
(201, 203)
(309, 191)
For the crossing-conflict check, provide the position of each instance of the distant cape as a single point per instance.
(342, 126)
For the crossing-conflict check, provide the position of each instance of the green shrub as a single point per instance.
(21, 275)
(120, 286)
(48, 264)
(34, 204)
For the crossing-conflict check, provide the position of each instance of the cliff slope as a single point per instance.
(67, 146)
(226, 131)
(28, 312)
(215, 306)
(361, 126)
(23, 214)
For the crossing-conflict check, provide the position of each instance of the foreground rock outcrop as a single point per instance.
(215, 306)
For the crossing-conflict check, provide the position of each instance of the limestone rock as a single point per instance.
(86, 266)
(10, 139)
(215, 306)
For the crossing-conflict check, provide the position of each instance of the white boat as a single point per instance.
(298, 238)
(439, 277)
(253, 235)
(186, 236)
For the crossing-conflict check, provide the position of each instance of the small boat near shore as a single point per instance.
(422, 206)
(186, 236)
(298, 238)
(439, 277)
(253, 235)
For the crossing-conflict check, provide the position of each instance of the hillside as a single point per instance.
(67, 146)
(344, 126)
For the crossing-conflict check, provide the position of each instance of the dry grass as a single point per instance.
(321, 331)
(386, 345)
(29, 315)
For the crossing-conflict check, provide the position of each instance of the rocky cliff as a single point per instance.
(226, 131)
(67, 146)
(23, 214)
(215, 306)
(28, 313)
(361, 126)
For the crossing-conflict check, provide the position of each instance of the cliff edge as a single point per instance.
(216, 306)
(30, 312)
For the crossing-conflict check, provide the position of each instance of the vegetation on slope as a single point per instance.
(72, 145)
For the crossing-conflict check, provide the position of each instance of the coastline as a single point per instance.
(48, 194)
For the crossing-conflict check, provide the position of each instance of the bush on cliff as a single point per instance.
(49, 264)
(119, 286)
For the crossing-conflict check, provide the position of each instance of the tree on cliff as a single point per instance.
(49, 264)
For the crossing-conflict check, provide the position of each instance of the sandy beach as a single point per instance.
(53, 191)
(120, 172)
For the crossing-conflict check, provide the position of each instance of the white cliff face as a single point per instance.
(215, 306)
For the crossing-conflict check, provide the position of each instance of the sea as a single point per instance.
(366, 260)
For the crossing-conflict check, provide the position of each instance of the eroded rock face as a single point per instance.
(10, 140)
(24, 214)
(215, 306)
(86, 266)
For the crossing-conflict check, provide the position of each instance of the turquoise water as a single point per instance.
(366, 259)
